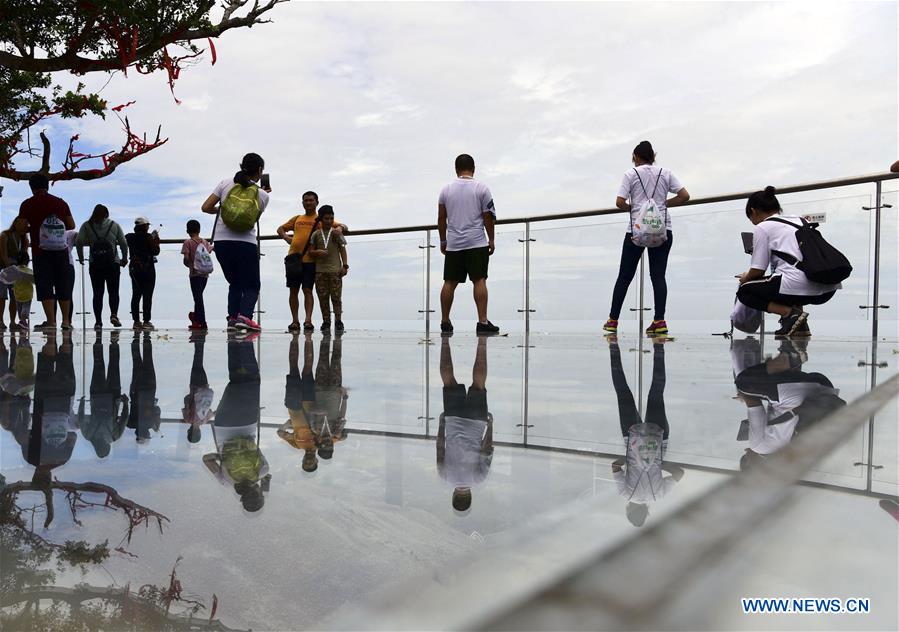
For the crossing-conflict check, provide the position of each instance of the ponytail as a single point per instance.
(249, 166)
(764, 201)
(644, 152)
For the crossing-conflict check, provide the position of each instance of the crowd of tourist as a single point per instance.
(792, 265)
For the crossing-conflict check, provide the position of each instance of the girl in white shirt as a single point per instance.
(639, 184)
(786, 290)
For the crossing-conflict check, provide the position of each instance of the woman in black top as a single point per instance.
(143, 246)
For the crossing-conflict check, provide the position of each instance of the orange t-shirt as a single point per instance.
(302, 226)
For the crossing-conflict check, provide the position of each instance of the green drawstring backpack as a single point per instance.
(240, 208)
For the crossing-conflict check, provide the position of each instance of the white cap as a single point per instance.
(140, 221)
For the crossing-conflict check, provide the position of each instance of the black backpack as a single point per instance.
(102, 252)
(821, 262)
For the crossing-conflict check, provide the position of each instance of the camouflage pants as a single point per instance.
(329, 287)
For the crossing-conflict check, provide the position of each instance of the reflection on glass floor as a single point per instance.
(265, 482)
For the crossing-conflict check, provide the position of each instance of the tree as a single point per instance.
(90, 36)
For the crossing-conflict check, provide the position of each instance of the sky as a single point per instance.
(369, 103)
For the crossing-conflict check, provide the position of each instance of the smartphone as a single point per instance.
(746, 237)
(265, 183)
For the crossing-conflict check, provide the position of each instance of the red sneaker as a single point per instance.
(247, 323)
(657, 327)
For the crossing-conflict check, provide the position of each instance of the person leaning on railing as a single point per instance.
(633, 194)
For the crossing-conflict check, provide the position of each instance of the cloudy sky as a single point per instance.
(368, 104)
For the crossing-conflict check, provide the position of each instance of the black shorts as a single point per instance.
(305, 279)
(299, 389)
(757, 295)
(461, 264)
(54, 278)
(470, 405)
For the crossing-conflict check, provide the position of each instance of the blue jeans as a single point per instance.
(240, 265)
(197, 285)
(630, 260)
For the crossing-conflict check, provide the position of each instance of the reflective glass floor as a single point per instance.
(166, 481)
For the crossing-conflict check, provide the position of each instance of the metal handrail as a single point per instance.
(727, 197)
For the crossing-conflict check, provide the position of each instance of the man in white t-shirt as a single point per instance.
(465, 220)
(786, 290)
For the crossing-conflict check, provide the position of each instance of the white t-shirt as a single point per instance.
(765, 438)
(631, 190)
(466, 200)
(769, 236)
(222, 232)
(464, 464)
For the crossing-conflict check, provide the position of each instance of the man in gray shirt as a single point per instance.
(465, 212)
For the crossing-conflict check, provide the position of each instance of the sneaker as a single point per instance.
(148, 326)
(792, 322)
(98, 326)
(339, 327)
(136, 326)
(802, 330)
(446, 328)
(195, 326)
(326, 327)
(657, 327)
(795, 351)
(247, 323)
(114, 321)
(611, 326)
(486, 329)
(232, 324)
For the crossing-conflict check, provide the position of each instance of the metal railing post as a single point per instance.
(876, 289)
(875, 302)
(527, 311)
(83, 313)
(427, 311)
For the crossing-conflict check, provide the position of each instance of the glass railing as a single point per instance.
(552, 272)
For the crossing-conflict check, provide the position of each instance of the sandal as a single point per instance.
(293, 327)
(308, 328)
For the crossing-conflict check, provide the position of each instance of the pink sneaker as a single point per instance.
(247, 323)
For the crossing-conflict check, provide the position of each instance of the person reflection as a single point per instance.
(197, 408)
(144, 413)
(108, 405)
(782, 401)
(299, 399)
(53, 431)
(640, 475)
(16, 386)
(465, 434)
(328, 418)
(238, 461)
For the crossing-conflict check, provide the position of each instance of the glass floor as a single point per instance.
(166, 481)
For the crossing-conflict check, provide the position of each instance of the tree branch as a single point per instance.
(72, 61)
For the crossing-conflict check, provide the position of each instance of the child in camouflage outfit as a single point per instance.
(329, 250)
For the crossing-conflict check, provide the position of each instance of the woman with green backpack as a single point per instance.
(238, 203)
